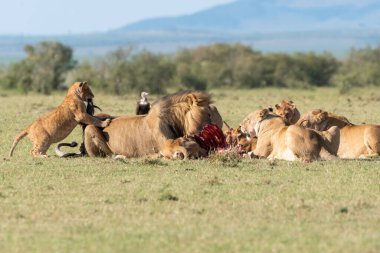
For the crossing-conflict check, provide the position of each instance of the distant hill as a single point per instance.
(268, 16)
(267, 25)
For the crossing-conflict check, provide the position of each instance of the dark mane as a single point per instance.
(172, 108)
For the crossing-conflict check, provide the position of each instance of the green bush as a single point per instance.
(43, 69)
(361, 68)
(49, 66)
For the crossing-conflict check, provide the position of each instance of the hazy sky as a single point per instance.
(83, 16)
(306, 4)
(39, 17)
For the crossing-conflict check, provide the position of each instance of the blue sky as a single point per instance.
(84, 16)
(51, 17)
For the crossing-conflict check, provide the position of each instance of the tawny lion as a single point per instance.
(58, 124)
(287, 110)
(174, 116)
(276, 140)
(356, 141)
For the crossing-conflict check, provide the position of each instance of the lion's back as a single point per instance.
(303, 142)
(57, 124)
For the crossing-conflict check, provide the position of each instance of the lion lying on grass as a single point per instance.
(356, 141)
(174, 116)
(58, 124)
(276, 140)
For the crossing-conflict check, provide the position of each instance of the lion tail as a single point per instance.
(60, 153)
(18, 138)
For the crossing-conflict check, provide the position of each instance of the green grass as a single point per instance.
(214, 205)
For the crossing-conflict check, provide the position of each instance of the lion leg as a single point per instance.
(40, 148)
(173, 149)
(95, 143)
(372, 150)
(371, 142)
(41, 143)
(326, 155)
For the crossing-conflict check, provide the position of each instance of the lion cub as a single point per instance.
(58, 124)
(288, 111)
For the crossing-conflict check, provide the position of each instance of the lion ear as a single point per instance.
(292, 104)
(323, 115)
(264, 113)
(277, 106)
(81, 84)
(191, 99)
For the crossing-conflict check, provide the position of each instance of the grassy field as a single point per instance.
(215, 205)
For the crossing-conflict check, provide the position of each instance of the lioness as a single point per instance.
(58, 124)
(276, 140)
(288, 111)
(356, 141)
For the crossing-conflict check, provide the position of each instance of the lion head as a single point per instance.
(182, 114)
(288, 111)
(322, 120)
(182, 148)
(237, 138)
(250, 124)
(81, 90)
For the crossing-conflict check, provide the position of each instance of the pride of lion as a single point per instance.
(185, 125)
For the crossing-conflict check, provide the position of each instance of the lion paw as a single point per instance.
(249, 155)
(119, 157)
(178, 156)
(40, 156)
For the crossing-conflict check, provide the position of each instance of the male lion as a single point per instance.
(288, 111)
(277, 140)
(215, 116)
(173, 116)
(356, 141)
(58, 124)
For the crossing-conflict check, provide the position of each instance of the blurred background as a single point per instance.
(128, 46)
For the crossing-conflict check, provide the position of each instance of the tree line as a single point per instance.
(50, 66)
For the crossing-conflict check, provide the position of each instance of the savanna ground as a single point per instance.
(213, 205)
